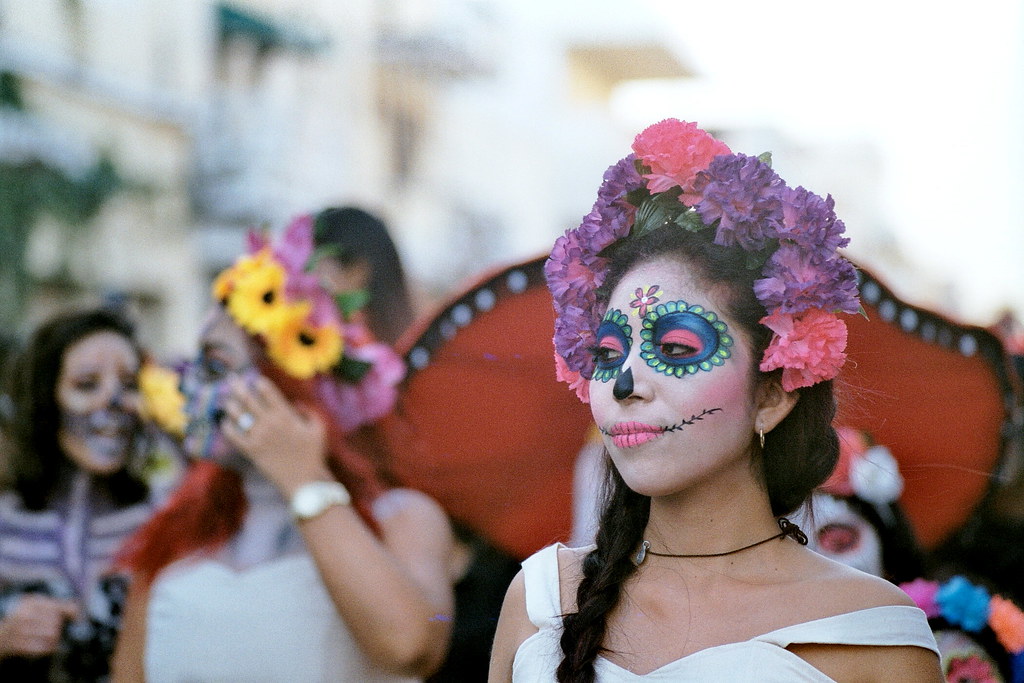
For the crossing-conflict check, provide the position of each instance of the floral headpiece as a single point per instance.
(680, 175)
(272, 294)
(865, 470)
(972, 608)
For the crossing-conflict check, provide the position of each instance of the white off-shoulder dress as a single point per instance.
(764, 658)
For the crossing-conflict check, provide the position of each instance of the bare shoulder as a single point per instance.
(848, 589)
(415, 528)
(844, 590)
(399, 509)
(514, 627)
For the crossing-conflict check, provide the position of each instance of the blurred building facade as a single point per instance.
(478, 131)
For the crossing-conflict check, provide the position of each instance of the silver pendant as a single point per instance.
(641, 554)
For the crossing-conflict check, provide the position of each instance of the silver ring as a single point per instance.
(245, 422)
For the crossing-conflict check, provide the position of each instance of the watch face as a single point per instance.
(315, 497)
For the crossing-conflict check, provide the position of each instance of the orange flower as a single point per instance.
(1007, 621)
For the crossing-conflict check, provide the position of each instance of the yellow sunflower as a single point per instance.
(301, 349)
(162, 401)
(225, 282)
(257, 299)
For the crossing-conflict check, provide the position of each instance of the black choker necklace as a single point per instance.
(787, 529)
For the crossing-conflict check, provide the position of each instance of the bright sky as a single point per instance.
(937, 88)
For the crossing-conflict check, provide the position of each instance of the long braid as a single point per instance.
(605, 569)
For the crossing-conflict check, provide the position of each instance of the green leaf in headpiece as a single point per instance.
(351, 301)
(756, 259)
(691, 220)
(322, 252)
(658, 210)
(351, 370)
(765, 158)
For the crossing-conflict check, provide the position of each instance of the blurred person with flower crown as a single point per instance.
(79, 451)
(357, 258)
(284, 555)
(697, 312)
(856, 518)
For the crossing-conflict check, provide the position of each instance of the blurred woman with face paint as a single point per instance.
(284, 554)
(76, 436)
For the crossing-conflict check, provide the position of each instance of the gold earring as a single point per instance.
(760, 435)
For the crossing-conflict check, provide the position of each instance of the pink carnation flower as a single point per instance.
(576, 381)
(922, 592)
(675, 151)
(971, 668)
(373, 397)
(810, 347)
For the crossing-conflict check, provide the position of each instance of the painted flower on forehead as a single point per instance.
(675, 151)
(809, 348)
(645, 298)
(744, 195)
(793, 283)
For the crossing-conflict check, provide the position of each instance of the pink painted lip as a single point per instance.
(632, 434)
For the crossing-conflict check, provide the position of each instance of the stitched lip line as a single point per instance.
(627, 428)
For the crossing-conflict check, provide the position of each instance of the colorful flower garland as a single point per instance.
(970, 607)
(679, 174)
(271, 294)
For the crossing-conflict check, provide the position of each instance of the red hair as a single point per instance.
(209, 505)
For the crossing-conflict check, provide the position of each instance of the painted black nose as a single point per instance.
(623, 387)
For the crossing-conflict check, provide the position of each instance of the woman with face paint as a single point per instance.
(75, 434)
(283, 555)
(697, 313)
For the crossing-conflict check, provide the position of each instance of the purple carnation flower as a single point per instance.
(811, 222)
(575, 336)
(744, 194)
(795, 281)
(615, 212)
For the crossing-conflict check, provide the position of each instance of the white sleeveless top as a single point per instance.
(764, 659)
(272, 622)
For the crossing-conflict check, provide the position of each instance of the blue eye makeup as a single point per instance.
(614, 337)
(678, 339)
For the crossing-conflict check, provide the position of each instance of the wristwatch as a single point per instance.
(313, 498)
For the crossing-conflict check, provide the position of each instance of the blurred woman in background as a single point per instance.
(76, 494)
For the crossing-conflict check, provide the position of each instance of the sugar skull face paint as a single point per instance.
(97, 394)
(224, 353)
(679, 339)
(614, 338)
(668, 427)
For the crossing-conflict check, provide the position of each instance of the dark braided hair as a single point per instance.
(799, 453)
